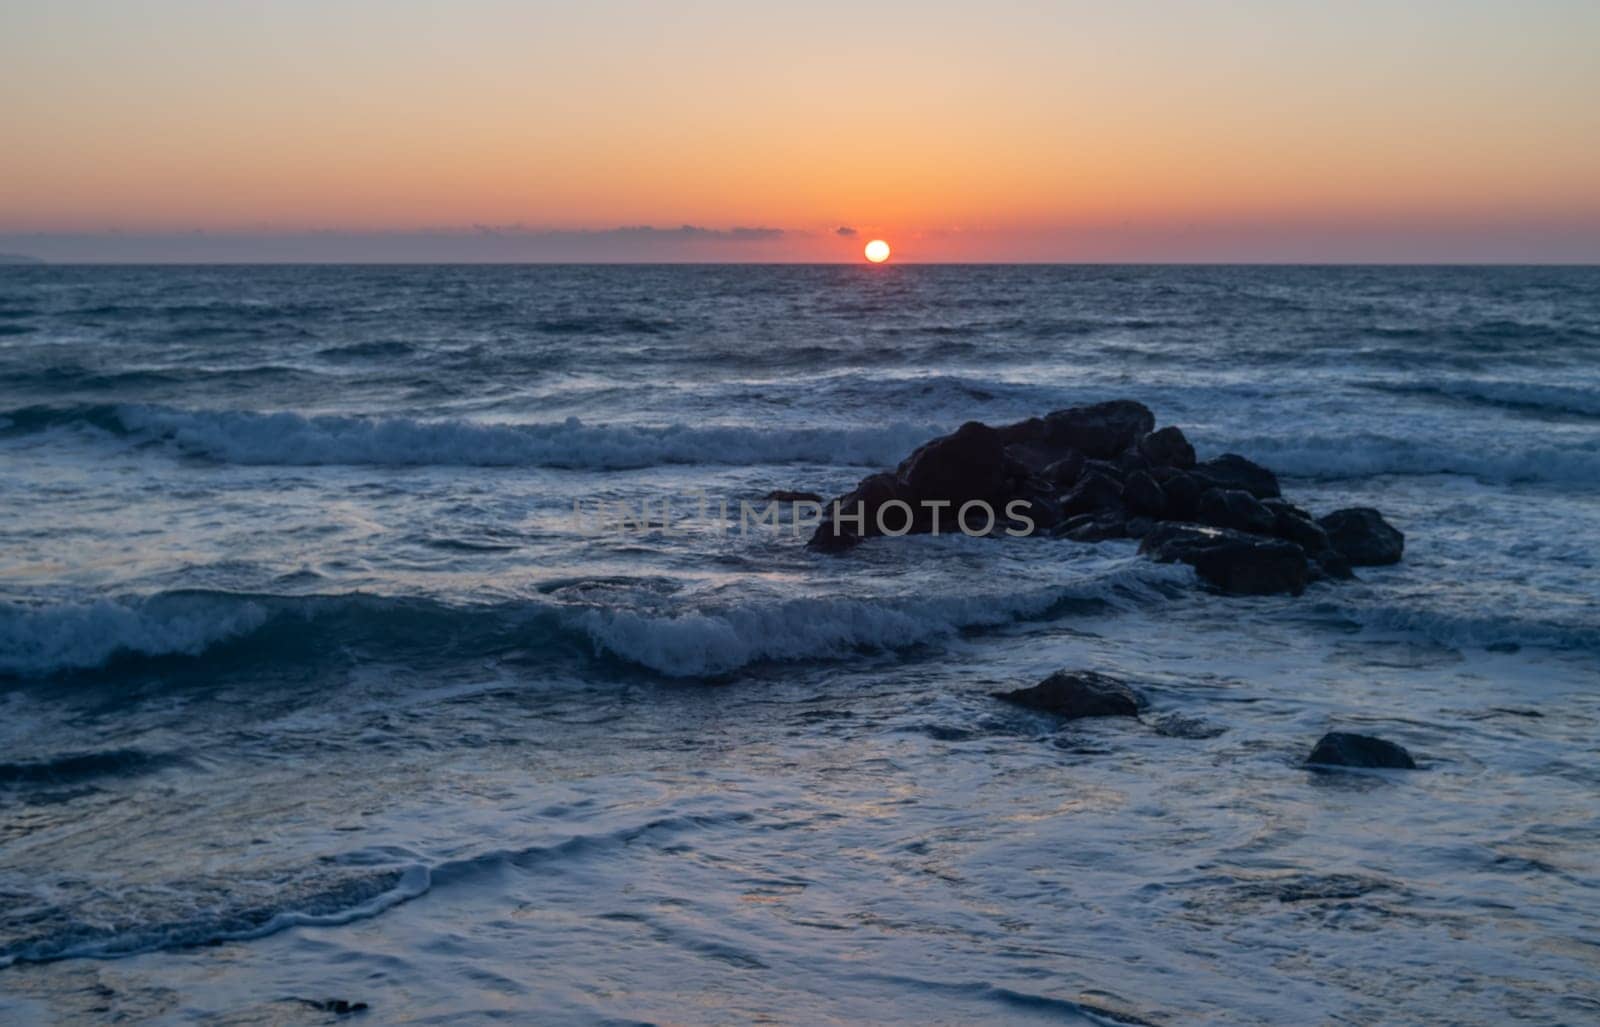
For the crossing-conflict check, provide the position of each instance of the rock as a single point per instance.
(1095, 491)
(1183, 493)
(1167, 448)
(787, 496)
(1332, 565)
(1102, 430)
(1138, 527)
(1093, 527)
(1102, 471)
(1363, 537)
(1298, 526)
(1064, 473)
(1034, 456)
(969, 463)
(1142, 496)
(1033, 430)
(1233, 561)
(874, 491)
(1292, 523)
(336, 1006)
(1236, 509)
(1075, 694)
(1043, 509)
(1232, 471)
(1343, 749)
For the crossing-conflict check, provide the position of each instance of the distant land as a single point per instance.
(18, 258)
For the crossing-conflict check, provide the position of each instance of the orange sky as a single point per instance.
(958, 131)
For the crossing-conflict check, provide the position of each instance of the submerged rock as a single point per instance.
(1344, 749)
(1362, 536)
(1233, 561)
(1075, 694)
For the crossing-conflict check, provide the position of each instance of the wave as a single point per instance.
(42, 640)
(358, 898)
(1369, 454)
(1530, 396)
(205, 912)
(252, 631)
(1490, 629)
(78, 767)
(290, 439)
(717, 642)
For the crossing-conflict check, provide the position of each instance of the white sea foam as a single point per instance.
(712, 642)
(244, 437)
(38, 640)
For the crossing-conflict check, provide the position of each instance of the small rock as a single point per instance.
(1093, 527)
(1101, 430)
(1232, 471)
(336, 1006)
(1167, 448)
(1236, 509)
(1233, 561)
(1362, 536)
(1143, 496)
(1183, 493)
(1075, 694)
(1343, 749)
(1064, 473)
(1094, 492)
(788, 496)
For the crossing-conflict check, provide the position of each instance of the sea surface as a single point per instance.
(312, 686)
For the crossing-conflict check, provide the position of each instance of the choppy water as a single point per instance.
(310, 688)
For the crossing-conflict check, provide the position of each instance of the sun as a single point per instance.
(877, 251)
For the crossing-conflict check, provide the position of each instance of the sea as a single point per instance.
(315, 688)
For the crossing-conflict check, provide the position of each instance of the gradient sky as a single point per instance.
(493, 129)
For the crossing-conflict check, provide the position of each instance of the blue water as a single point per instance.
(311, 687)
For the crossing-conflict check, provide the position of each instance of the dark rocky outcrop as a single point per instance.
(1344, 749)
(1232, 561)
(1075, 694)
(1101, 472)
(1363, 537)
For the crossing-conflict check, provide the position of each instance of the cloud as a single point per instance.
(846, 231)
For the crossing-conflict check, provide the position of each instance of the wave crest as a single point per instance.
(291, 439)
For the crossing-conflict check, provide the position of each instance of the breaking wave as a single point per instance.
(290, 439)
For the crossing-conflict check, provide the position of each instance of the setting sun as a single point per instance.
(877, 251)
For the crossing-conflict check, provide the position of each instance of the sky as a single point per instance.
(1433, 130)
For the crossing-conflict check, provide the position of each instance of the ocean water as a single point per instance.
(312, 687)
